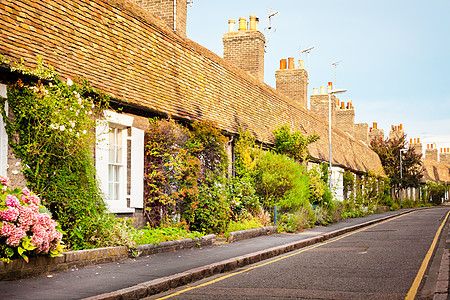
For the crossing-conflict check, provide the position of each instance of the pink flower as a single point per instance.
(5, 181)
(15, 238)
(28, 215)
(35, 199)
(7, 229)
(25, 199)
(10, 214)
(12, 201)
(26, 192)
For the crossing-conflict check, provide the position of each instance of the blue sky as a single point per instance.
(395, 54)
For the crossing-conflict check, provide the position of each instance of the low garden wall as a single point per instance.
(19, 268)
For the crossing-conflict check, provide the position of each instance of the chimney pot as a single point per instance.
(330, 86)
(322, 90)
(291, 64)
(392, 127)
(253, 23)
(401, 127)
(342, 105)
(375, 125)
(300, 64)
(231, 25)
(428, 146)
(418, 140)
(242, 24)
(410, 141)
(282, 64)
(370, 129)
(315, 91)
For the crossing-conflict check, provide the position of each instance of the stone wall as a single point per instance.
(133, 56)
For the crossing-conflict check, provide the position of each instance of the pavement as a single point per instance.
(140, 277)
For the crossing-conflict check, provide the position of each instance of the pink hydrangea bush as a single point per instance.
(25, 226)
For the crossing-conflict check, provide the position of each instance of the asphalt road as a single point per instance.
(377, 262)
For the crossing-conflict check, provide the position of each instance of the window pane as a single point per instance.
(119, 155)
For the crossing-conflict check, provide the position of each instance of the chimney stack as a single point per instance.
(376, 133)
(245, 48)
(292, 82)
(431, 152)
(416, 145)
(171, 12)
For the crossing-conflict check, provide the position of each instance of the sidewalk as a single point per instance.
(135, 278)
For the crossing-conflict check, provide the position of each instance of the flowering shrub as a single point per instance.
(25, 225)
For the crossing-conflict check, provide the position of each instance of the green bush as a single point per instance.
(297, 220)
(281, 181)
(158, 235)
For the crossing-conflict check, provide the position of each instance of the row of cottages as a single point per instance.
(139, 53)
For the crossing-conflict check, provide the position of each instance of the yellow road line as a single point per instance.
(275, 260)
(415, 286)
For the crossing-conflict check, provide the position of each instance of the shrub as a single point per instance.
(26, 228)
(281, 181)
(296, 220)
(292, 144)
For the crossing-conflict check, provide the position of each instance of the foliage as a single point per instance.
(158, 235)
(26, 226)
(365, 194)
(319, 191)
(281, 181)
(434, 192)
(186, 175)
(389, 152)
(297, 220)
(292, 144)
(243, 198)
(247, 155)
(52, 135)
(244, 224)
(41, 70)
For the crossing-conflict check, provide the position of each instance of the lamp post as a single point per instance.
(401, 174)
(331, 92)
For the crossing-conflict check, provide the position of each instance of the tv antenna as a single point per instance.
(269, 29)
(335, 64)
(307, 51)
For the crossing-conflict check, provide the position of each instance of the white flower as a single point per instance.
(15, 172)
(84, 131)
(90, 112)
(72, 123)
(62, 127)
(54, 126)
(78, 134)
(17, 164)
(69, 82)
(93, 105)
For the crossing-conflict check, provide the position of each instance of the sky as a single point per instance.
(394, 54)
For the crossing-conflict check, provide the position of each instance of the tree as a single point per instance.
(389, 152)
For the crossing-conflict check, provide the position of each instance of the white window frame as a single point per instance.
(136, 197)
(3, 137)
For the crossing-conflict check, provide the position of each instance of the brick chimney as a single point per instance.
(416, 145)
(396, 132)
(431, 152)
(292, 81)
(171, 12)
(362, 132)
(345, 117)
(375, 132)
(245, 47)
(319, 103)
(444, 156)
